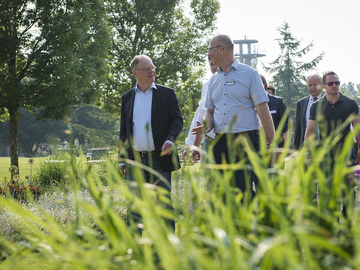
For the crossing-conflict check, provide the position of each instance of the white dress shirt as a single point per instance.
(143, 138)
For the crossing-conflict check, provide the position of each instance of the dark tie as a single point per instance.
(315, 99)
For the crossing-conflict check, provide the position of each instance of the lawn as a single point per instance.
(24, 167)
(27, 169)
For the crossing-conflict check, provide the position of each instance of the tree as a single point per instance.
(32, 133)
(349, 90)
(288, 69)
(51, 57)
(93, 127)
(175, 36)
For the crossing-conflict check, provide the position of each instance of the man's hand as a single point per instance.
(166, 149)
(184, 153)
(122, 169)
(197, 130)
(195, 155)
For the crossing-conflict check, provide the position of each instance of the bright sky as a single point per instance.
(333, 26)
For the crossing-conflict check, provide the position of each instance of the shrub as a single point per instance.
(50, 172)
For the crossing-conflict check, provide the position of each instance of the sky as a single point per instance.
(332, 26)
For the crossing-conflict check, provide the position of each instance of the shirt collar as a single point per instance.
(342, 97)
(234, 65)
(318, 97)
(152, 86)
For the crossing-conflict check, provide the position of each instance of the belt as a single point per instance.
(249, 133)
(145, 154)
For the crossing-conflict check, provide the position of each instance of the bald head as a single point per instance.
(224, 41)
(313, 83)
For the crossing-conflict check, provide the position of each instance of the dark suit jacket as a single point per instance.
(166, 122)
(300, 122)
(277, 109)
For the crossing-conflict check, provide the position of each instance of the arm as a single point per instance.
(355, 123)
(310, 129)
(191, 138)
(282, 109)
(198, 137)
(297, 127)
(122, 136)
(176, 123)
(209, 118)
(266, 120)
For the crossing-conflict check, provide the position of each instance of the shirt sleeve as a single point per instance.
(258, 94)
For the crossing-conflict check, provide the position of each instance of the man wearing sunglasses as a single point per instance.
(335, 108)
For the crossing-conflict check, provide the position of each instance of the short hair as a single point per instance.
(272, 89)
(328, 74)
(135, 61)
(264, 81)
(225, 41)
(316, 75)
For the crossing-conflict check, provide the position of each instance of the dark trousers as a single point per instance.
(132, 215)
(224, 148)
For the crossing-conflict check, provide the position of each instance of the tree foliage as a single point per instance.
(51, 57)
(93, 127)
(351, 90)
(32, 132)
(174, 34)
(288, 69)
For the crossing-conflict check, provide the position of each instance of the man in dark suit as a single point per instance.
(313, 83)
(277, 109)
(150, 122)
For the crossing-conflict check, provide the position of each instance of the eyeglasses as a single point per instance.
(214, 47)
(332, 83)
(147, 69)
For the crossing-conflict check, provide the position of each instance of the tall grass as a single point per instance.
(281, 228)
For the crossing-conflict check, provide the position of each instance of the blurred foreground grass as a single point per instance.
(286, 226)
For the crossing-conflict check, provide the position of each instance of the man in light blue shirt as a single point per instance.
(235, 98)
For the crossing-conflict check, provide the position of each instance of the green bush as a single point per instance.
(51, 171)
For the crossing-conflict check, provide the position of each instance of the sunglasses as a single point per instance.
(332, 83)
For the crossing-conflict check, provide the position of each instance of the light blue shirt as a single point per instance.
(143, 139)
(235, 94)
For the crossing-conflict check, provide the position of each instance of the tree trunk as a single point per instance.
(14, 155)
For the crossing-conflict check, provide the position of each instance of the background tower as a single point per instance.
(246, 51)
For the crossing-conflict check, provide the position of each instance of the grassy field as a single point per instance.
(24, 168)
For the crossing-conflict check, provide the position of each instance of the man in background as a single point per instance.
(196, 139)
(313, 84)
(277, 109)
